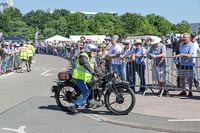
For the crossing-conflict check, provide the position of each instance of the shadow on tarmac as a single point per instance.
(50, 107)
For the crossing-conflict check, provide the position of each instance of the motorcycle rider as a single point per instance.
(85, 68)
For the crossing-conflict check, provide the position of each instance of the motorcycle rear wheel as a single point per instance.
(66, 95)
(120, 104)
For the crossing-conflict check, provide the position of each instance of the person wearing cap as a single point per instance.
(31, 53)
(157, 53)
(195, 54)
(140, 64)
(108, 42)
(126, 57)
(185, 71)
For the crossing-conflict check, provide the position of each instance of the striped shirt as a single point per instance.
(128, 52)
(117, 49)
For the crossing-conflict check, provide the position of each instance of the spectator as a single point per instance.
(175, 51)
(196, 49)
(126, 57)
(114, 53)
(157, 52)
(148, 43)
(140, 64)
(6, 57)
(185, 70)
(83, 43)
(17, 60)
(108, 42)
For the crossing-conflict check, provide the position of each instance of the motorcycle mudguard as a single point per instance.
(118, 84)
(60, 85)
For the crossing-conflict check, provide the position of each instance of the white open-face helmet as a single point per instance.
(89, 47)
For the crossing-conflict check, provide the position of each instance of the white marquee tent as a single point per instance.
(57, 38)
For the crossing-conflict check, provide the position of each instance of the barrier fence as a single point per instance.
(7, 63)
(170, 74)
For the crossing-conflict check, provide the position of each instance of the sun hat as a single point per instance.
(108, 38)
(127, 41)
(137, 41)
(115, 37)
(155, 40)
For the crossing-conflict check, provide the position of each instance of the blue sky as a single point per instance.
(173, 10)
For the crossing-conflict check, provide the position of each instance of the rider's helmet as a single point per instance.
(90, 47)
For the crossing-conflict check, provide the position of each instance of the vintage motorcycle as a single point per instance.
(106, 90)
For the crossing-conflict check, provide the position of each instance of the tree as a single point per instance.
(77, 24)
(37, 19)
(106, 23)
(4, 23)
(13, 13)
(183, 27)
(161, 25)
(135, 24)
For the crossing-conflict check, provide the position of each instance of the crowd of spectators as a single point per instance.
(128, 57)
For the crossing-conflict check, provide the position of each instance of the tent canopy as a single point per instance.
(57, 38)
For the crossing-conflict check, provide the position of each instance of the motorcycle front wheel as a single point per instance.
(66, 95)
(120, 101)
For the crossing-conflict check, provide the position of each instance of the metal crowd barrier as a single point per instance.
(7, 63)
(171, 80)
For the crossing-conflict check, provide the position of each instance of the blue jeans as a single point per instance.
(119, 68)
(85, 92)
(129, 72)
(141, 72)
(133, 75)
(16, 59)
(195, 78)
(6, 63)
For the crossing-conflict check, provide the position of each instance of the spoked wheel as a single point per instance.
(121, 101)
(65, 96)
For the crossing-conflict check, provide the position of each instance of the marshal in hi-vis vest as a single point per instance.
(30, 50)
(23, 53)
(80, 72)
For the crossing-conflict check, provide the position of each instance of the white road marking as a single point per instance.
(19, 130)
(92, 116)
(52, 68)
(45, 73)
(184, 120)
